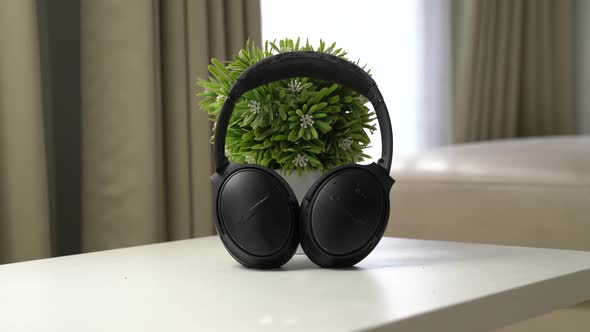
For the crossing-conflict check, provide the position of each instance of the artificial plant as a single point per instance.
(296, 124)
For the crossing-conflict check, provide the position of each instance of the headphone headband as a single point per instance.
(305, 64)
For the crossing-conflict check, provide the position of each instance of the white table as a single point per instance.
(405, 285)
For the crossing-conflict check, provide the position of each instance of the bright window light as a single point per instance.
(382, 34)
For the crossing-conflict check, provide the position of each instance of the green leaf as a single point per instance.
(317, 107)
(314, 161)
(306, 86)
(282, 115)
(334, 99)
(314, 132)
(322, 126)
(258, 147)
(279, 138)
(293, 135)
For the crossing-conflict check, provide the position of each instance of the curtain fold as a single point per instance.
(514, 69)
(122, 176)
(217, 36)
(24, 204)
(144, 154)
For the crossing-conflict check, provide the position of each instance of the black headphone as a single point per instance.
(343, 215)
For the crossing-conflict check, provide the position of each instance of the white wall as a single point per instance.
(582, 66)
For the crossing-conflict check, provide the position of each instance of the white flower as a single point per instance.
(346, 143)
(221, 98)
(306, 120)
(250, 160)
(362, 99)
(294, 86)
(300, 160)
(254, 106)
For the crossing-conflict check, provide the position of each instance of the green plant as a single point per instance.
(300, 123)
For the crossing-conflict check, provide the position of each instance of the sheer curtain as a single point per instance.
(496, 69)
(435, 74)
(514, 69)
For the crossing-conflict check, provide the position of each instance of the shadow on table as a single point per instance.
(408, 253)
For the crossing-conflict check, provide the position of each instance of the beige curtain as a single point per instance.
(513, 66)
(24, 205)
(144, 159)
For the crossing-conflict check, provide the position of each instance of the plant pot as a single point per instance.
(300, 185)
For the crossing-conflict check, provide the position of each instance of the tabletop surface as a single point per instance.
(404, 285)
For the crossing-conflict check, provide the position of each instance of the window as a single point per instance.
(382, 34)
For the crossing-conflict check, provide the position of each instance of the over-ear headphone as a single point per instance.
(343, 215)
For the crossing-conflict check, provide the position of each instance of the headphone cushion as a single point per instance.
(258, 213)
(343, 217)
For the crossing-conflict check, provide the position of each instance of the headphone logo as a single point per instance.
(359, 192)
(245, 218)
(356, 220)
(335, 197)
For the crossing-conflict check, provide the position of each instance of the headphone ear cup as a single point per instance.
(343, 216)
(257, 215)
